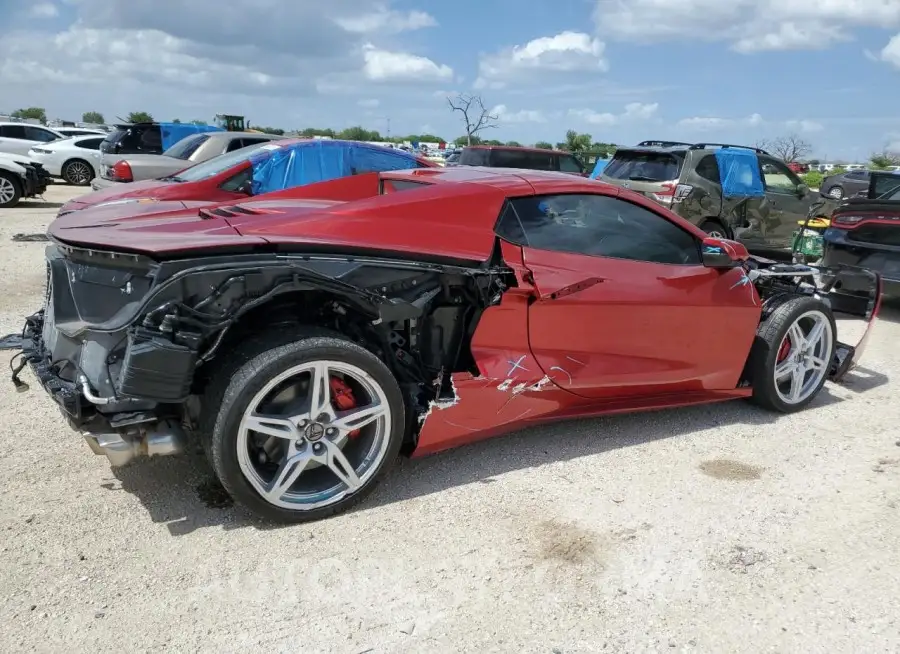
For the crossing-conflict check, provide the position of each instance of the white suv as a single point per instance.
(19, 138)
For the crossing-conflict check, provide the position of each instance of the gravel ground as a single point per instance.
(711, 529)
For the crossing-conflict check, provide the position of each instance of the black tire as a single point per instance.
(70, 168)
(832, 189)
(764, 353)
(10, 178)
(714, 226)
(255, 363)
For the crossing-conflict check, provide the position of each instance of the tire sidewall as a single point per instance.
(764, 381)
(710, 223)
(253, 376)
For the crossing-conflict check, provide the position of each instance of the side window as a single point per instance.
(778, 177)
(38, 134)
(235, 144)
(569, 164)
(151, 139)
(90, 144)
(509, 227)
(599, 226)
(235, 182)
(395, 185)
(708, 168)
(251, 141)
(12, 131)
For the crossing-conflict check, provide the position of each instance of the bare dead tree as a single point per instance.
(789, 148)
(474, 114)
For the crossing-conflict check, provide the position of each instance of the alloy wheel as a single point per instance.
(836, 192)
(803, 357)
(299, 449)
(7, 191)
(78, 173)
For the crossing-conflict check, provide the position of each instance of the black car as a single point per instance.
(865, 231)
(136, 138)
(508, 156)
(845, 185)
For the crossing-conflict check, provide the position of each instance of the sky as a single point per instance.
(737, 71)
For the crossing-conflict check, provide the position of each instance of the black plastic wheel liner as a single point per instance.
(11, 342)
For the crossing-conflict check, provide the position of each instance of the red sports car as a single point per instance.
(251, 171)
(308, 340)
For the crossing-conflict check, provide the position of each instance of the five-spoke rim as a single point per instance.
(299, 450)
(803, 357)
(7, 191)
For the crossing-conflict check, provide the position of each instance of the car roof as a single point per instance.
(231, 135)
(513, 148)
(512, 181)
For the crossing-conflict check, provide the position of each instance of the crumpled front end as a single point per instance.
(109, 379)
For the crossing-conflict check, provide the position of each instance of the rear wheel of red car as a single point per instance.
(10, 190)
(792, 354)
(303, 430)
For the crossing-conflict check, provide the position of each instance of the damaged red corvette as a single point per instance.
(308, 339)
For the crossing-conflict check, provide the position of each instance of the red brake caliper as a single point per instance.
(342, 399)
(785, 349)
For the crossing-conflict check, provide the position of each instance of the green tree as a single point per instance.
(177, 121)
(310, 132)
(358, 133)
(139, 117)
(575, 142)
(460, 141)
(604, 150)
(31, 113)
(92, 117)
(270, 130)
(514, 144)
(198, 122)
(884, 159)
(544, 145)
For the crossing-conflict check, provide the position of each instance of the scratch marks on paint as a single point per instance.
(564, 371)
(743, 281)
(516, 365)
(539, 385)
(580, 363)
(505, 385)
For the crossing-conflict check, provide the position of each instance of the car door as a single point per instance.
(13, 140)
(789, 202)
(625, 306)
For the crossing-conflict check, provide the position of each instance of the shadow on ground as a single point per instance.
(182, 492)
(39, 204)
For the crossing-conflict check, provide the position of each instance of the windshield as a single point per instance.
(219, 164)
(643, 166)
(186, 147)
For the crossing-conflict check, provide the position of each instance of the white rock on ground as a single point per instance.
(711, 529)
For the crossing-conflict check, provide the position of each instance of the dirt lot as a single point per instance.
(713, 529)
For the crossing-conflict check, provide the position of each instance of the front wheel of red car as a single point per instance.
(304, 430)
(792, 354)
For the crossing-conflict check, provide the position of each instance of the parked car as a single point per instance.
(866, 231)
(308, 341)
(79, 131)
(149, 138)
(507, 156)
(20, 177)
(845, 184)
(688, 179)
(797, 167)
(76, 160)
(116, 169)
(256, 169)
(19, 138)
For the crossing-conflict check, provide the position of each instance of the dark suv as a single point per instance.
(507, 156)
(685, 177)
(139, 138)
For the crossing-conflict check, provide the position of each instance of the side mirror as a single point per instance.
(722, 254)
(246, 188)
(802, 190)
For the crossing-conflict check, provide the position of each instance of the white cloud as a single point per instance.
(369, 103)
(634, 112)
(43, 10)
(807, 126)
(891, 52)
(504, 115)
(381, 18)
(749, 25)
(566, 52)
(386, 66)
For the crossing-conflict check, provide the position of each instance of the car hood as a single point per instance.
(169, 227)
(16, 158)
(129, 194)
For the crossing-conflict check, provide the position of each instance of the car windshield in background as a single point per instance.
(186, 147)
(219, 164)
(643, 166)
